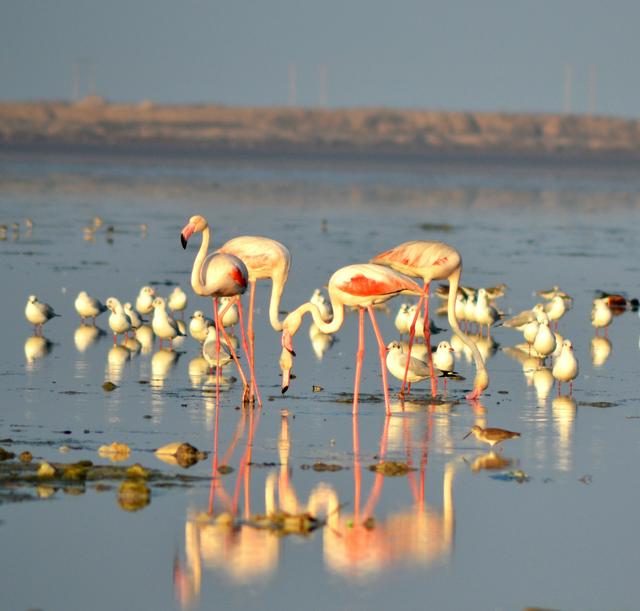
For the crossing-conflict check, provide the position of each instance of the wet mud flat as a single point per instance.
(356, 510)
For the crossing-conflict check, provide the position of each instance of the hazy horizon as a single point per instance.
(493, 56)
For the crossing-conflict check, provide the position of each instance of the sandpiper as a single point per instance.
(491, 436)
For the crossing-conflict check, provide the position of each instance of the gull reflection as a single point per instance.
(600, 350)
(530, 364)
(116, 359)
(85, 336)
(564, 411)
(320, 342)
(144, 335)
(162, 362)
(198, 371)
(36, 347)
(132, 345)
(543, 383)
(487, 346)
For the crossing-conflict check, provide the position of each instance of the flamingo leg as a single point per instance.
(359, 357)
(245, 392)
(382, 350)
(217, 322)
(250, 332)
(252, 370)
(357, 474)
(412, 333)
(427, 341)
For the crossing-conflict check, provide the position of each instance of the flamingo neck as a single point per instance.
(277, 288)
(454, 281)
(326, 327)
(197, 273)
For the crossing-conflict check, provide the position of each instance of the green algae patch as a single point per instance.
(391, 468)
(133, 495)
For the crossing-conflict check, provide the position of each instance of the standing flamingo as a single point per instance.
(218, 275)
(434, 261)
(264, 258)
(363, 286)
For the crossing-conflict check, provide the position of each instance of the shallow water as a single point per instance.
(449, 535)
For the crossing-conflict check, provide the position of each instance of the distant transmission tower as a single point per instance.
(568, 77)
(293, 85)
(323, 93)
(593, 86)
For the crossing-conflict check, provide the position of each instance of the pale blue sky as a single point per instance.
(461, 55)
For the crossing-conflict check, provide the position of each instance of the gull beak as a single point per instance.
(451, 350)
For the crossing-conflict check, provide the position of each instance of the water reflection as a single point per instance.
(162, 363)
(144, 335)
(491, 461)
(36, 347)
(85, 336)
(564, 410)
(543, 383)
(600, 350)
(116, 360)
(245, 546)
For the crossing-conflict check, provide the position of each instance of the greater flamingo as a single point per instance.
(434, 261)
(219, 275)
(363, 286)
(265, 258)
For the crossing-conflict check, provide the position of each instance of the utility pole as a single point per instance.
(324, 86)
(293, 85)
(568, 77)
(593, 86)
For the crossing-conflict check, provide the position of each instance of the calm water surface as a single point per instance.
(450, 535)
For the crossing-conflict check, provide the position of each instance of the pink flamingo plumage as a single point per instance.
(265, 258)
(218, 275)
(363, 286)
(434, 261)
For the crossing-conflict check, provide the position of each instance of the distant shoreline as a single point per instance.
(97, 128)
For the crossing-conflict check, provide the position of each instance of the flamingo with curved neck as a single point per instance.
(363, 286)
(434, 261)
(219, 275)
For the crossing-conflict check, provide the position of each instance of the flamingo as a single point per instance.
(434, 261)
(219, 275)
(363, 286)
(264, 258)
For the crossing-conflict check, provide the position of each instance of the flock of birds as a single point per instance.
(228, 272)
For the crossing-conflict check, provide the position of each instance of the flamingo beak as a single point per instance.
(286, 377)
(186, 233)
(287, 342)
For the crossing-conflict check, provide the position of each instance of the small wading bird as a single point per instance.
(38, 313)
(360, 286)
(444, 360)
(601, 315)
(491, 436)
(565, 369)
(88, 307)
(177, 301)
(434, 261)
(162, 324)
(118, 320)
(396, 361)
(218, 275)
(144, 301)
(210, 351)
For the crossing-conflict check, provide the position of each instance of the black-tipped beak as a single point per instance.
(285, 389)
(183, 241)
(291, 352)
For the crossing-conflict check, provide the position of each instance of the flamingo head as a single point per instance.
(196, 223)
(286, 364)
(290, 327)
(480, 384)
